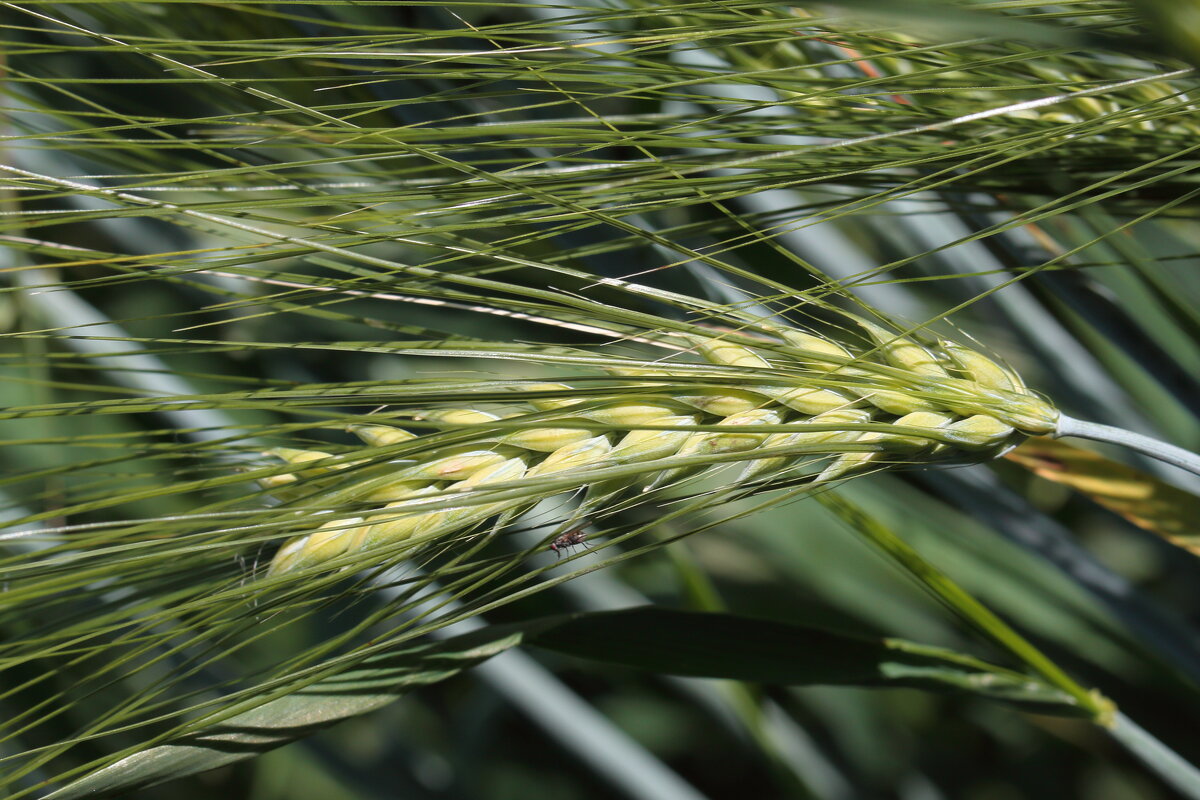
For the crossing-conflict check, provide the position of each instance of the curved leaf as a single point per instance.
(744, 648)
(375, 683)
(648, 638)
(1143, 499)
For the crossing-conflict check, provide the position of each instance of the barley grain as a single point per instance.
(842, 411)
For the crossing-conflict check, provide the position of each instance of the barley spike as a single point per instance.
(817, 410)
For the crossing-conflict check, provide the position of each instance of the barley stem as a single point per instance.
(1170, 766)
(1168, 453)
(968, 608)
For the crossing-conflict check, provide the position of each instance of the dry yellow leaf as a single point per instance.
(1138, 497)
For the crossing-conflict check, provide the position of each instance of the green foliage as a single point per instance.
(235, 227)
(704, 645)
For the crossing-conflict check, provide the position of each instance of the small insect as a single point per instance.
(568, 540)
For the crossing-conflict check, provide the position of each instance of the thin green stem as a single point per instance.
(1168, 453)
(1168, 764)
(968, 608)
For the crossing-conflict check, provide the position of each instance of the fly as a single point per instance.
(568, 540)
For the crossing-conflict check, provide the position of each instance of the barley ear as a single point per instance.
(839, 413)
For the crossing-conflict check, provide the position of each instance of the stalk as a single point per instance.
(1147, 445)
(971, 610)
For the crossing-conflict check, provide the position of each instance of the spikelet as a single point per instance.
(815, 409)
